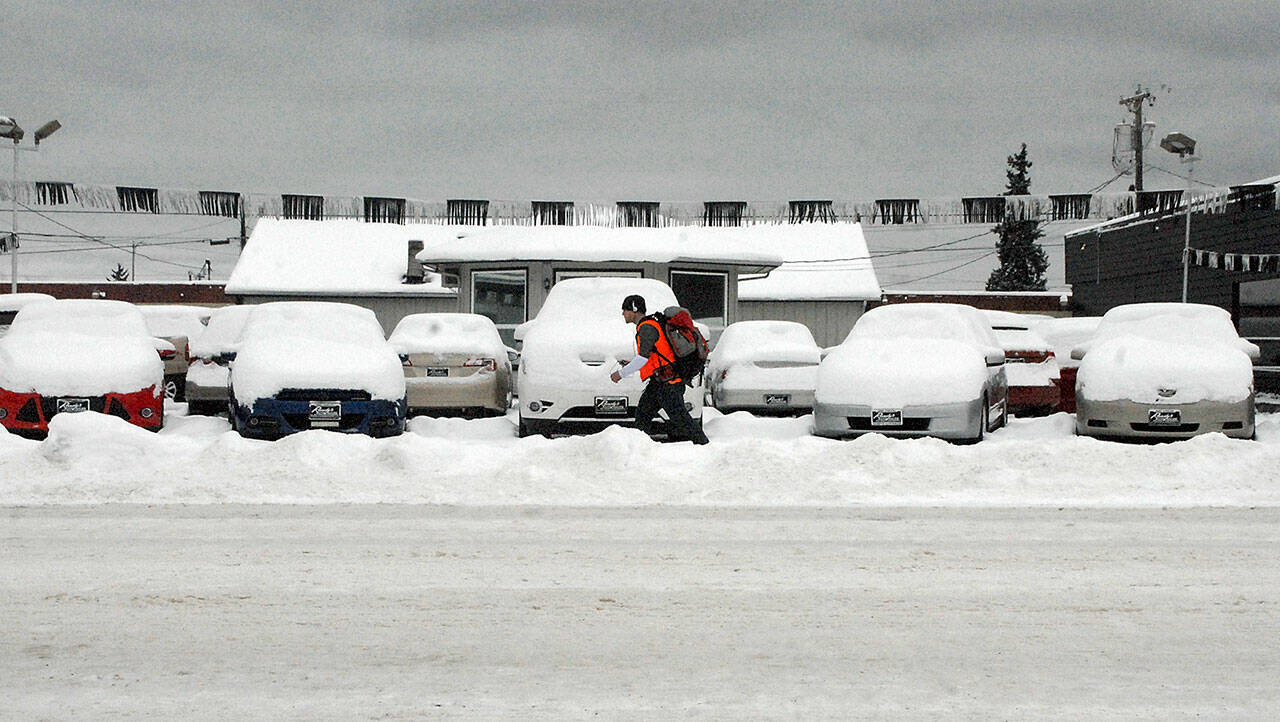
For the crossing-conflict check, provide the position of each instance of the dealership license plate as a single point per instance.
(324, 414)
(777, 399)
(611, 405)
(886, 417)
(1164, 417)
(71, 406)
(437, 372)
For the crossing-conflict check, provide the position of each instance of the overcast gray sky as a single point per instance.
(639, 100)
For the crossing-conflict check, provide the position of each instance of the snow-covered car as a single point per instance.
(212, 352)
(1031, 366)
(1165, 371)
(79, 355)
(453, 363)
(1064, 334)
(914, 369)
(764, 367)
(315, 365)
(11, 303)
(576, 341)
(177, 325)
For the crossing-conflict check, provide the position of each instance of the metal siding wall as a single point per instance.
(829, 321)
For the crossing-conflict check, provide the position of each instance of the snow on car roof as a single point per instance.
(446, 333)
(601, 297)
(175, 320)
(314, 319)
(926, 320)
(764, 340)
(89, 317)
(10, 302)
(222, 332)
(1191, 323)
(334, 257)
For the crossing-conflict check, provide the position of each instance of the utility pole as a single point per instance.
(1134, 103)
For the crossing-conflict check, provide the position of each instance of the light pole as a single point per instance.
(9, 128)
(1185, 148)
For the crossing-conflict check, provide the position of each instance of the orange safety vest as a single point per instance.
(662, 357)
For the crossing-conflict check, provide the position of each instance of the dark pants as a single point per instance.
(670, 398)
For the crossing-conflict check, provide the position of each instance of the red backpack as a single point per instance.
(686, 342)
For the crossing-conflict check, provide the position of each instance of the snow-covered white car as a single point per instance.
(765, 367)
(1064, 334)
(914, 369)
(79, 355)
(315, 365)
(576, 341)
(11, 303)
(1165, 371)
(1031, 366)
(178, 325)
(212, 352)
(453, 363)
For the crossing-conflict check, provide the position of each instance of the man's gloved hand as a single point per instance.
(615, 377)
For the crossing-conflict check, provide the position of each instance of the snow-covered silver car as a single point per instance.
(178, 325)
(454, 363)
(914, 369)
(1165, 371)
(768, 367)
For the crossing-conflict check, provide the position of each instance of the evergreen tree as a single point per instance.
(1022, 260)
(119, 274)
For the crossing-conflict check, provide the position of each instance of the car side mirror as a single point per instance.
(162, 345)
(1251, 349)
(520, 331)
(995, 357)
(1077, 353)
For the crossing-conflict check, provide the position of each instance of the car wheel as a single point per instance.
(523, 429)
(171, 390)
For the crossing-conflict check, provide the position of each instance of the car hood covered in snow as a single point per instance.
(1146, 370)
(900, 372)
(262, 369)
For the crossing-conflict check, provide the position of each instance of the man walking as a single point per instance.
(655, 360)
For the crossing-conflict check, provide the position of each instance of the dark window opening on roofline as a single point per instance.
(220, 203)
(638, 214)
(1069, 207)
(138, 200)
(468, 212)
(810, 212)
(723, 213)
(53, 193)
(304, 208)
(384, 210)
(552, 213)
(898, 211)
(989, 209)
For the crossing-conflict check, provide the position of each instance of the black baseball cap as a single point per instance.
(634, 302)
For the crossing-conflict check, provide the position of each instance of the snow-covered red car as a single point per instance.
(79, 355)
(1165, 371)
(576, 341)
(1064, 334)
(914, 369)
(1030, 363)
(211, 353)
(768, 367)
(315, 365)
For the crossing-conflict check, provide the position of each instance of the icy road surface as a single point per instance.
(401, 612)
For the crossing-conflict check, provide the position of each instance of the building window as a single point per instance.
(50, 193)
(220, 203)
(1070, 207)
(468, 213)
(383, 210)
(637, 214)
(552, 213)
(1259, 197)
(500, 296)
(1158, 201)
(303, 208)
(562, 274)
(723, 213)
(897, 211)
(811, 212)
(138, 200)
(983, 210)
(705, 294)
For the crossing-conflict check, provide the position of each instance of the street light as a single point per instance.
(1184, 146)
(9, 128)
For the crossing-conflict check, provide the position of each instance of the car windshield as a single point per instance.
(105, 319)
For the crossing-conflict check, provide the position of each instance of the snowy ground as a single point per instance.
(404, 612)
(91, 459)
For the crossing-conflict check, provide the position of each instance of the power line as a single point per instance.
(947, 270)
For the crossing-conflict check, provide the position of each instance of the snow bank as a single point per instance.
(461, 333)
(79, 348)
(315, 345)
(90, 458)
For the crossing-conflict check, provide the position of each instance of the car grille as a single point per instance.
(49, 404)
(863, 423)
(323, 395)
(1180, 429)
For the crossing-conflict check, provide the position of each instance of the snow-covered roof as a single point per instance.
(1213, 199)
(821, 261)
(335, 257)
(601, 244)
